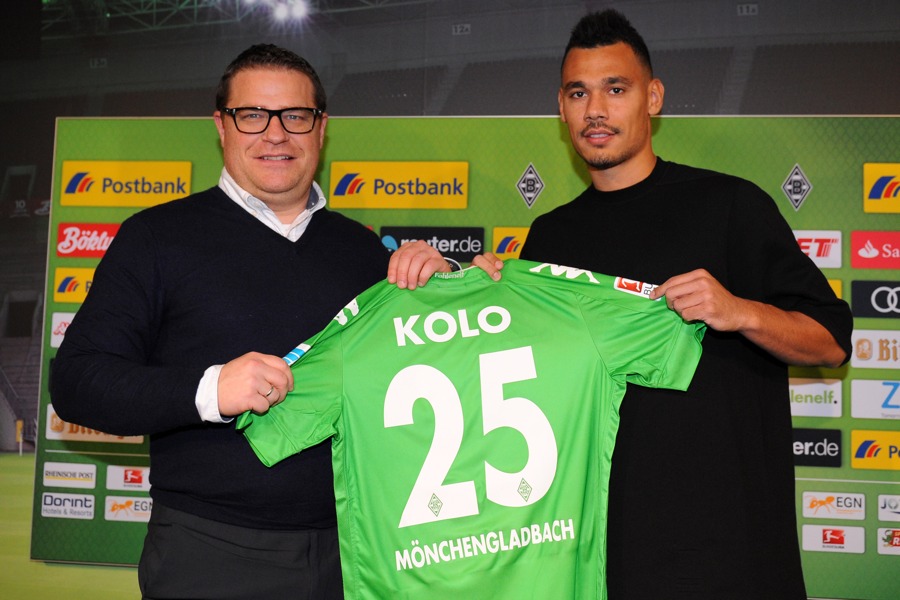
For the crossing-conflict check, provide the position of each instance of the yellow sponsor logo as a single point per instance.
(127, 183)
(408, 185)
(836, 286)
(875, 450)
(881, 187)
(508, 241)
(72, 284)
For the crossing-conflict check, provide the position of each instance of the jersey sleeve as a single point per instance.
(309, 414)
(643, 340)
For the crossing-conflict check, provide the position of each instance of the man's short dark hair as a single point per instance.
(269, 56)
(605, 29)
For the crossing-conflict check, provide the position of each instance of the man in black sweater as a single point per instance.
(189, 313)
(701, 498)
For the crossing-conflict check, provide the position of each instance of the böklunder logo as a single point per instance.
(84, 240)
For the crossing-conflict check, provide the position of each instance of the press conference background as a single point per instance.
(393, 58)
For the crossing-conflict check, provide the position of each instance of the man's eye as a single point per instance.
(578, 94)
(616, 90)
(251, 116)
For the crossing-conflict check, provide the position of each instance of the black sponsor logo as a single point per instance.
(462, 244)
(817, 447)
(877, 299)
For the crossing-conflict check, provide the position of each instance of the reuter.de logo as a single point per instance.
(84, 240)
(817, 447)
(879, 450)
(875, 249)
(823, 247)
(123, 183)
(396, 184)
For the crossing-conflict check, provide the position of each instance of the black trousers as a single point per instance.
(188, 557)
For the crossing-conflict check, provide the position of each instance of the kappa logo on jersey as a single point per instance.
(878, 450)
(84, 240)
(508, 241)
(823, 247)
(395, 184)
(72, 285)
(881, 185)
(563, 271)
(630, 286)
(875, 250)
(124, 183)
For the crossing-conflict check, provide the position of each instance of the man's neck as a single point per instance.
(624, 175)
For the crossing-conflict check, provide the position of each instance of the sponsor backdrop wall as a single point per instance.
(472, 184)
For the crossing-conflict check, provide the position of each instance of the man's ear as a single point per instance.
(655, 94)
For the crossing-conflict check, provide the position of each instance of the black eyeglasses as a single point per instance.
(251, 119)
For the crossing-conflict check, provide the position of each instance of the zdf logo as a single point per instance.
(876, 299)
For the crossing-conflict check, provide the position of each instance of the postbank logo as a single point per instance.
(879, 450)
(129, 183)
(881, 187)
(72, 285)
(406, 185)
(508, 241)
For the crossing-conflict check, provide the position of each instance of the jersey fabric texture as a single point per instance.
(473, 423)
(197, 282)
(702, 485)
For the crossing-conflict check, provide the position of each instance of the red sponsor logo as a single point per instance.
(85, 240)
(133, 476)
(638, 288)
(818, 247)
(875, 250)
(833, 536)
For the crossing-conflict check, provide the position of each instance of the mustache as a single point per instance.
(594, 125)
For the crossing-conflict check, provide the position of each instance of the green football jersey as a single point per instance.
(473, 424)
